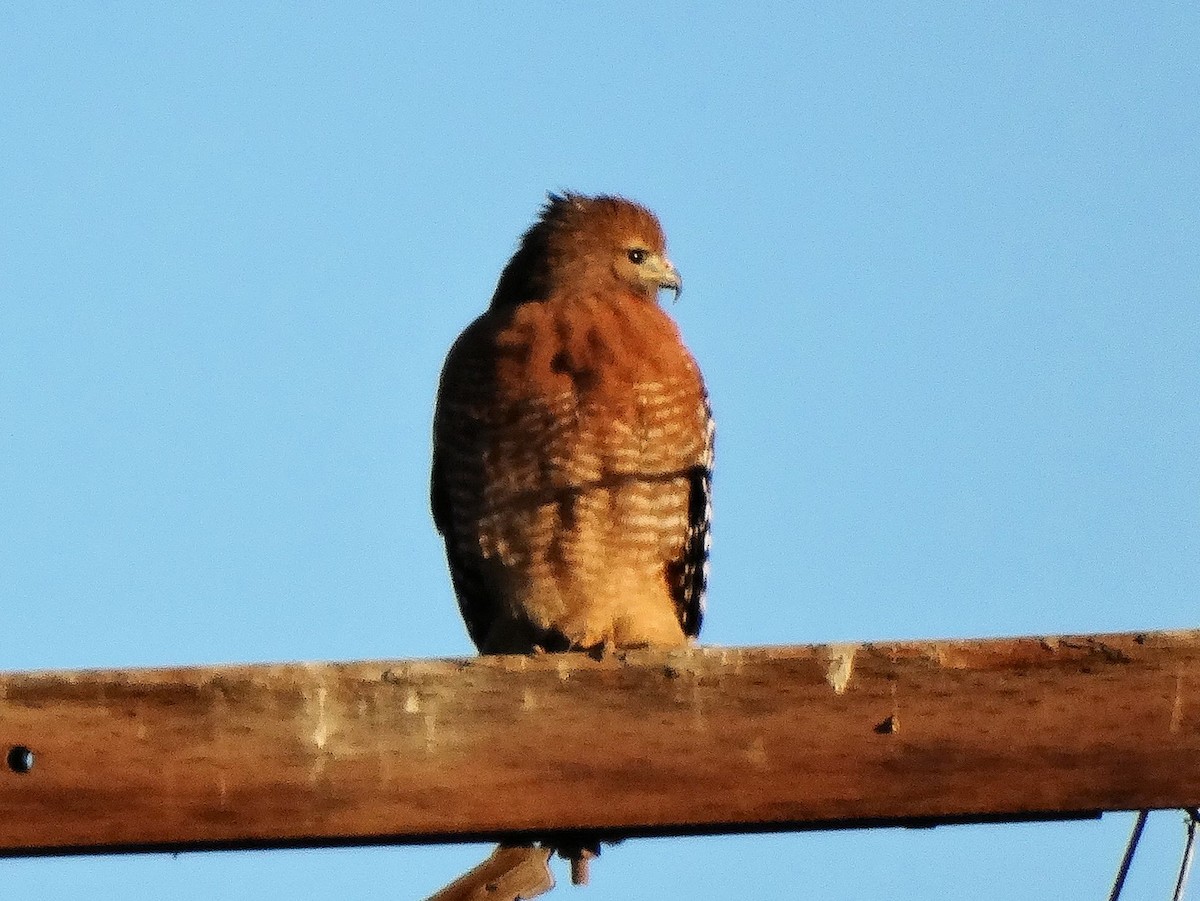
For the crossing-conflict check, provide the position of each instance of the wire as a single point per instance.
(1136, 835)
(1188, 849)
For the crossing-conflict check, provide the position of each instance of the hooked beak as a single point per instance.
(670, 278)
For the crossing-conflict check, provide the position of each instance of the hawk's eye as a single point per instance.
(637, 256)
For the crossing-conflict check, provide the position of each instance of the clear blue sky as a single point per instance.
(942, 276)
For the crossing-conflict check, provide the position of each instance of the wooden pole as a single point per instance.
(701, 741)
(511, 873)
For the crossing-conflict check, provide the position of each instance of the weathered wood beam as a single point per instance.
(709, 740)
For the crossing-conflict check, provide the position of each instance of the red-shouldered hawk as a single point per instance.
(573, 444)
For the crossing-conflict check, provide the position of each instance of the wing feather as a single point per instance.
(689, 574)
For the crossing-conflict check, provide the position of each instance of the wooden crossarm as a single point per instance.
(701, 741)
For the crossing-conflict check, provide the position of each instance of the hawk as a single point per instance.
(573, 444)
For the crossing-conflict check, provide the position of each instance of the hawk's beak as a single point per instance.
(670, 278)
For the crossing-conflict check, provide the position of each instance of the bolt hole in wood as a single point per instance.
(20, 759)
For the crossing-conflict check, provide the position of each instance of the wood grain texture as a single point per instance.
(709, 740)
(511, 873)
